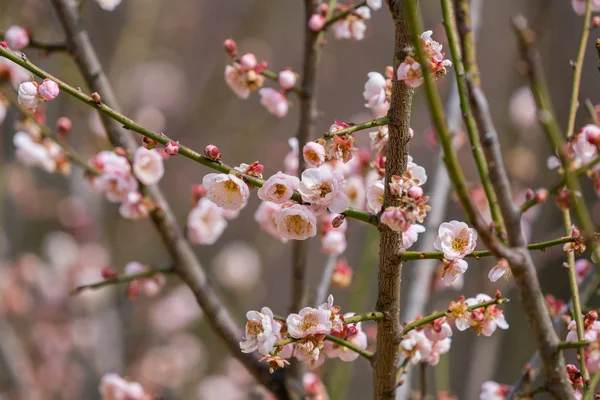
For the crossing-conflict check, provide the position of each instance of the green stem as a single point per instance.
(470, 67)
(591, 110)
(435, 255)
(366, 354)
(401, 370)
(158, 137)
(430, 318)
(371, 316)
(588, 393)
(585, 34)
(573, 345)
(359, 127)
(122, 279)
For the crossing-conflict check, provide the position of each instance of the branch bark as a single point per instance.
(186, 264)
(389, 330)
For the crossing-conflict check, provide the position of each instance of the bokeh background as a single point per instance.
(166, 63)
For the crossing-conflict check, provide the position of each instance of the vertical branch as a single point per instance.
(186, 264)
(306, 127)
(518, 257)
(389, 331)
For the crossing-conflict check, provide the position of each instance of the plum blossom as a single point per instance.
(411, 235)
(108, 5)
(374, 4)
(28, 95)
(582, 267)
(437, 330)
(314, 387)
(314, 154)
(452, 269)
(296, 222)
(279, 188)
(353, 25)
(287, 79)
(395, 218)
(342, 274)
(415, 172)
(291, 159)
(355, 192)
(438, 348)
(113, 387)
(376, 94)
(316, 22)
(341, 148)
(310, 351)
(115, 179)
(323, 189)
(244, 76)
(48, 90)
(379, 139)
(148, 166)
(435, 54)
(501, 269)
(226, 190)
(375, 194)
(583, 146)
(205, 222)
(333, 242)
(150, 286)
(579, 6)
(491, 390)
(590, 331)
(261, 332)
(16, 37)
(455, 239)
(486, 320)
(309, 321)
(459, 314)
(265, 216)
(415, 346)
(32, 153)
(14, 72)
(275, 102)
(352, 333)
(410, 72)
(134, 207)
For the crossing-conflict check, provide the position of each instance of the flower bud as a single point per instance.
(3, 44)
(28, 95)
(316, 22)
(248, 61)
(212, 152)
(109, 273)
(64, 126)
(287, 79)
(149, 143)
(324, 8)
(255, 169)
(338, 221)
(415, 192)
(172, 148)
(16, 37)
(529, 194)
(96, 97)
(198, 192)
(595, 21)
(48, 90)
(230, 47)
(541, 195)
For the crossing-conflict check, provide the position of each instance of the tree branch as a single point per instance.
(186, 265)
(125, 278)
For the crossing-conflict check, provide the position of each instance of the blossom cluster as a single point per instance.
(411, 72)
(31, 93)
(591, 332)
(455, 240)
(307, 330)
(351, 25)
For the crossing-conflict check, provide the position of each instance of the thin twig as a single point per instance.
(126, 278)
(573, 345)
(359, 127)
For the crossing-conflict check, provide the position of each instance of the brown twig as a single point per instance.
(186, 264)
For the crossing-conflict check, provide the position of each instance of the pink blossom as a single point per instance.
(248, 61)
(16, 37)
(491, 390)
(275, 102)
(553, 162)
(28, 95)
(323, 189)
(410, 72)
(134, 207)
(585, 151)
(226, 266)
(265, 215)
(314, 387)
(592, 359)
(291, 159)
(590, 333)
(486, 320)
(287, 79)
(582, 267)
(309, 321)
(453, 269)
(375, 94)
(205, 222)
(148, 166)
(353, 25)
(394, 218)
(501, 269)
(316, 22)
(437, 330)
(355, 192)
(48, 90)
(31, 153)
(522, 108)
(374, 4)
(108, 5)
(411, 235)
(243, 78)
(579, 6)
(379, 139)
(296, 222)
(352, 333)
(416, 173)
(310, 352)
(279, 188)
(113, 387)
(333, 242)
(455, 239)
(14, 72)
(226, 190)
(261, 332)
(416, 346)
(314, 154)
(115, 180)
(438, 348)
(150, 286)
(375, 194)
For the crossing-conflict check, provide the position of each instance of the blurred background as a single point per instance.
(166, 62)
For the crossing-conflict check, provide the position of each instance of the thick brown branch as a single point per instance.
(389, 329)
(186, 264)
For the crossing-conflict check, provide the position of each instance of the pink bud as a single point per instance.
(230, 47)
(96, 97)
(198, 192)
(64, 126)
(541, 195)
(108, 273)
(287, 79)
(134, 289)
(48, 90)
(211, 151)
(338, 221)
(415, 192)
(389, 72)
(172, 148)
(324, 8)
(316, 22)
(593, 136)
(411, 133)
(3, 44)
(120, 151)
(16, 37)
(529, 194)
(575, 232)
(248, 61)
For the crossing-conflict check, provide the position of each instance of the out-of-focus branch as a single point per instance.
(323, 286)
(334, 18)
(45, 47)
(519, 258)
(389, 330)
(186, 264)
(126, 278)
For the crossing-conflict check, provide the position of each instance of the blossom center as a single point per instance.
(309, 321)
(254, 328)
(296, 224)
(280, 190)
(460, 242)
(325, 189)
(231, 185)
